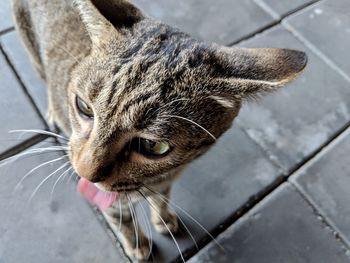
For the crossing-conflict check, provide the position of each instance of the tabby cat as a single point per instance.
(138, 99)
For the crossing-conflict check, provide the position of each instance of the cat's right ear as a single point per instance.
(104, 19)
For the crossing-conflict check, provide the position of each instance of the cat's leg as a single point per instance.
(123, 226)
(50, 114)
(57, 115)
(162, 216)
(24, 27)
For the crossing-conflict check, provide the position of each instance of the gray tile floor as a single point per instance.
(273, 189)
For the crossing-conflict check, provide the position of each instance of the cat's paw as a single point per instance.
(140, 253)
(171, 222)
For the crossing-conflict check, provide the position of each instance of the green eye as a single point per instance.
(156, 148)
(83, 108)
(150, 148)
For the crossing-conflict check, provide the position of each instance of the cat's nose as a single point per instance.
(94, 173)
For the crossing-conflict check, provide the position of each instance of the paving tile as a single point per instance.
(280, 8)
(223, 22)
(326, 182)
(48, 230)
(295, 121)
(20, 59)
(333, 40)
(5, 14)
(216, 186)
(282, 228)
(16, 110)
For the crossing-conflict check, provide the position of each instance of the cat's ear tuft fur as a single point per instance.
(252, 71)
(107, 18)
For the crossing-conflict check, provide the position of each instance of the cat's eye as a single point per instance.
(150, 148)
(83, 108)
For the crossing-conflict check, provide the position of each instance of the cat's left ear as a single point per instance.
(104, 19)
(247, 72)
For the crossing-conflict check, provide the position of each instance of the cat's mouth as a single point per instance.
(96, 196)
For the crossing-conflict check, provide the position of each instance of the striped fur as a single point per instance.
(143, 79)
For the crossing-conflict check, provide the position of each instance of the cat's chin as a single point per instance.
(120, 188)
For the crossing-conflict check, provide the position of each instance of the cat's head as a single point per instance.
(149, 99)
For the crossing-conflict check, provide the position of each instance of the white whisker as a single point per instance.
(120, 214)
(28, 152)
(46, 178)
(36, 168)
(58, 45)
(187, 214)
(148, 227)
(179, 217)
(171, 102)
(134, 221)
(68, 53)
(160, 217)
(71, 174)
(58, 179)
(193, 122)
(71, 177)
(41, 132)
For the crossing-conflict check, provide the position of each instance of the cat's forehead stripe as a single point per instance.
(140, 99)
(146, 74)
(138, 45)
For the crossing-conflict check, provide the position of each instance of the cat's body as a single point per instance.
(51, 53)
(138, 98)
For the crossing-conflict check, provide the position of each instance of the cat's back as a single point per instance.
(48, 15)
(56, 27)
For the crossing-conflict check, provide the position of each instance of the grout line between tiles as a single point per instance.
(24, 89)
(315, 50)
(7, 30)
(318, 211)
(275, 23)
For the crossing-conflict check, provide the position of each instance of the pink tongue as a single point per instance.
(95, 196)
